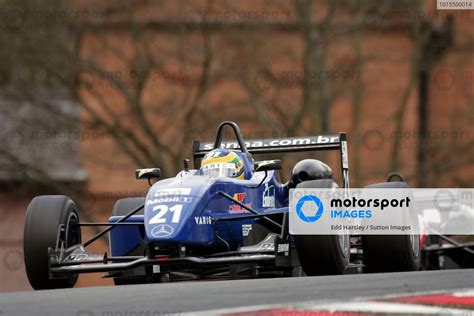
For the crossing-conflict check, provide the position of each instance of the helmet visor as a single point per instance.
(219, 170)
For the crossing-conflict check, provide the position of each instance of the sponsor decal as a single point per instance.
(268, 196)
(78, 257)
(203, 220)
(283, 248)
(246, 228)
(266, 246)
(277, 142)
(235, 208)
(258, 176)
(162, 231)
(174, 199)
(172, 191)
(217, 165)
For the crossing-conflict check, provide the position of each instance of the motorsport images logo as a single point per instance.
(309, 208)
(327, 211)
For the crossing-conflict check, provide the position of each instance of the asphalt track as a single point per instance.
(177, 298)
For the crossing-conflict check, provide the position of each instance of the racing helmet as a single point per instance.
(222, 163)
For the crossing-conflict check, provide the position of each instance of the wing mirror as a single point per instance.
(148, 173)
(267, 165)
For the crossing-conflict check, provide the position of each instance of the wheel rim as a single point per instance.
(415, 244)
(73, 233)
(414, 239)
(343, 243)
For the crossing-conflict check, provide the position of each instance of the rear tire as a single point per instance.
(391, 253)
(322, 254)
(121, 208)
(43, 217)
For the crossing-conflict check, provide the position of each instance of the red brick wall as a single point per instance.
(384, 78)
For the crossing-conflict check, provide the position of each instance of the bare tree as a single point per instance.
(153, 83)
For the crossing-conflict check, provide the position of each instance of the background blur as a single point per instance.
(91, 90)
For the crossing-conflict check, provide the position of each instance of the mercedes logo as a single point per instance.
(161, 231)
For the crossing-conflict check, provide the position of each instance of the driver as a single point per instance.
(222, 163)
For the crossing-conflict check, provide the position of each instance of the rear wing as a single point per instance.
(278, 145)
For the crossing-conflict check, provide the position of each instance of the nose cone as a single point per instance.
(176, 212)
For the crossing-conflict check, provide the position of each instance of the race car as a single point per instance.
(225, 218)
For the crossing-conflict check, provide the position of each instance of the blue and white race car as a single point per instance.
(226, 218)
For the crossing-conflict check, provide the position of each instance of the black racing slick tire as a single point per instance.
(44, 216)
(121, 208)
(392, 253)
(322, 254)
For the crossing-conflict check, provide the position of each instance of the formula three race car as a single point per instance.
(226, 218)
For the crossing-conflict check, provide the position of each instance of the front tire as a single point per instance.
(392, 253)
(44, 216)
(322, 254)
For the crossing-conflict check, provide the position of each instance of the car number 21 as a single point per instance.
(160, 217)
